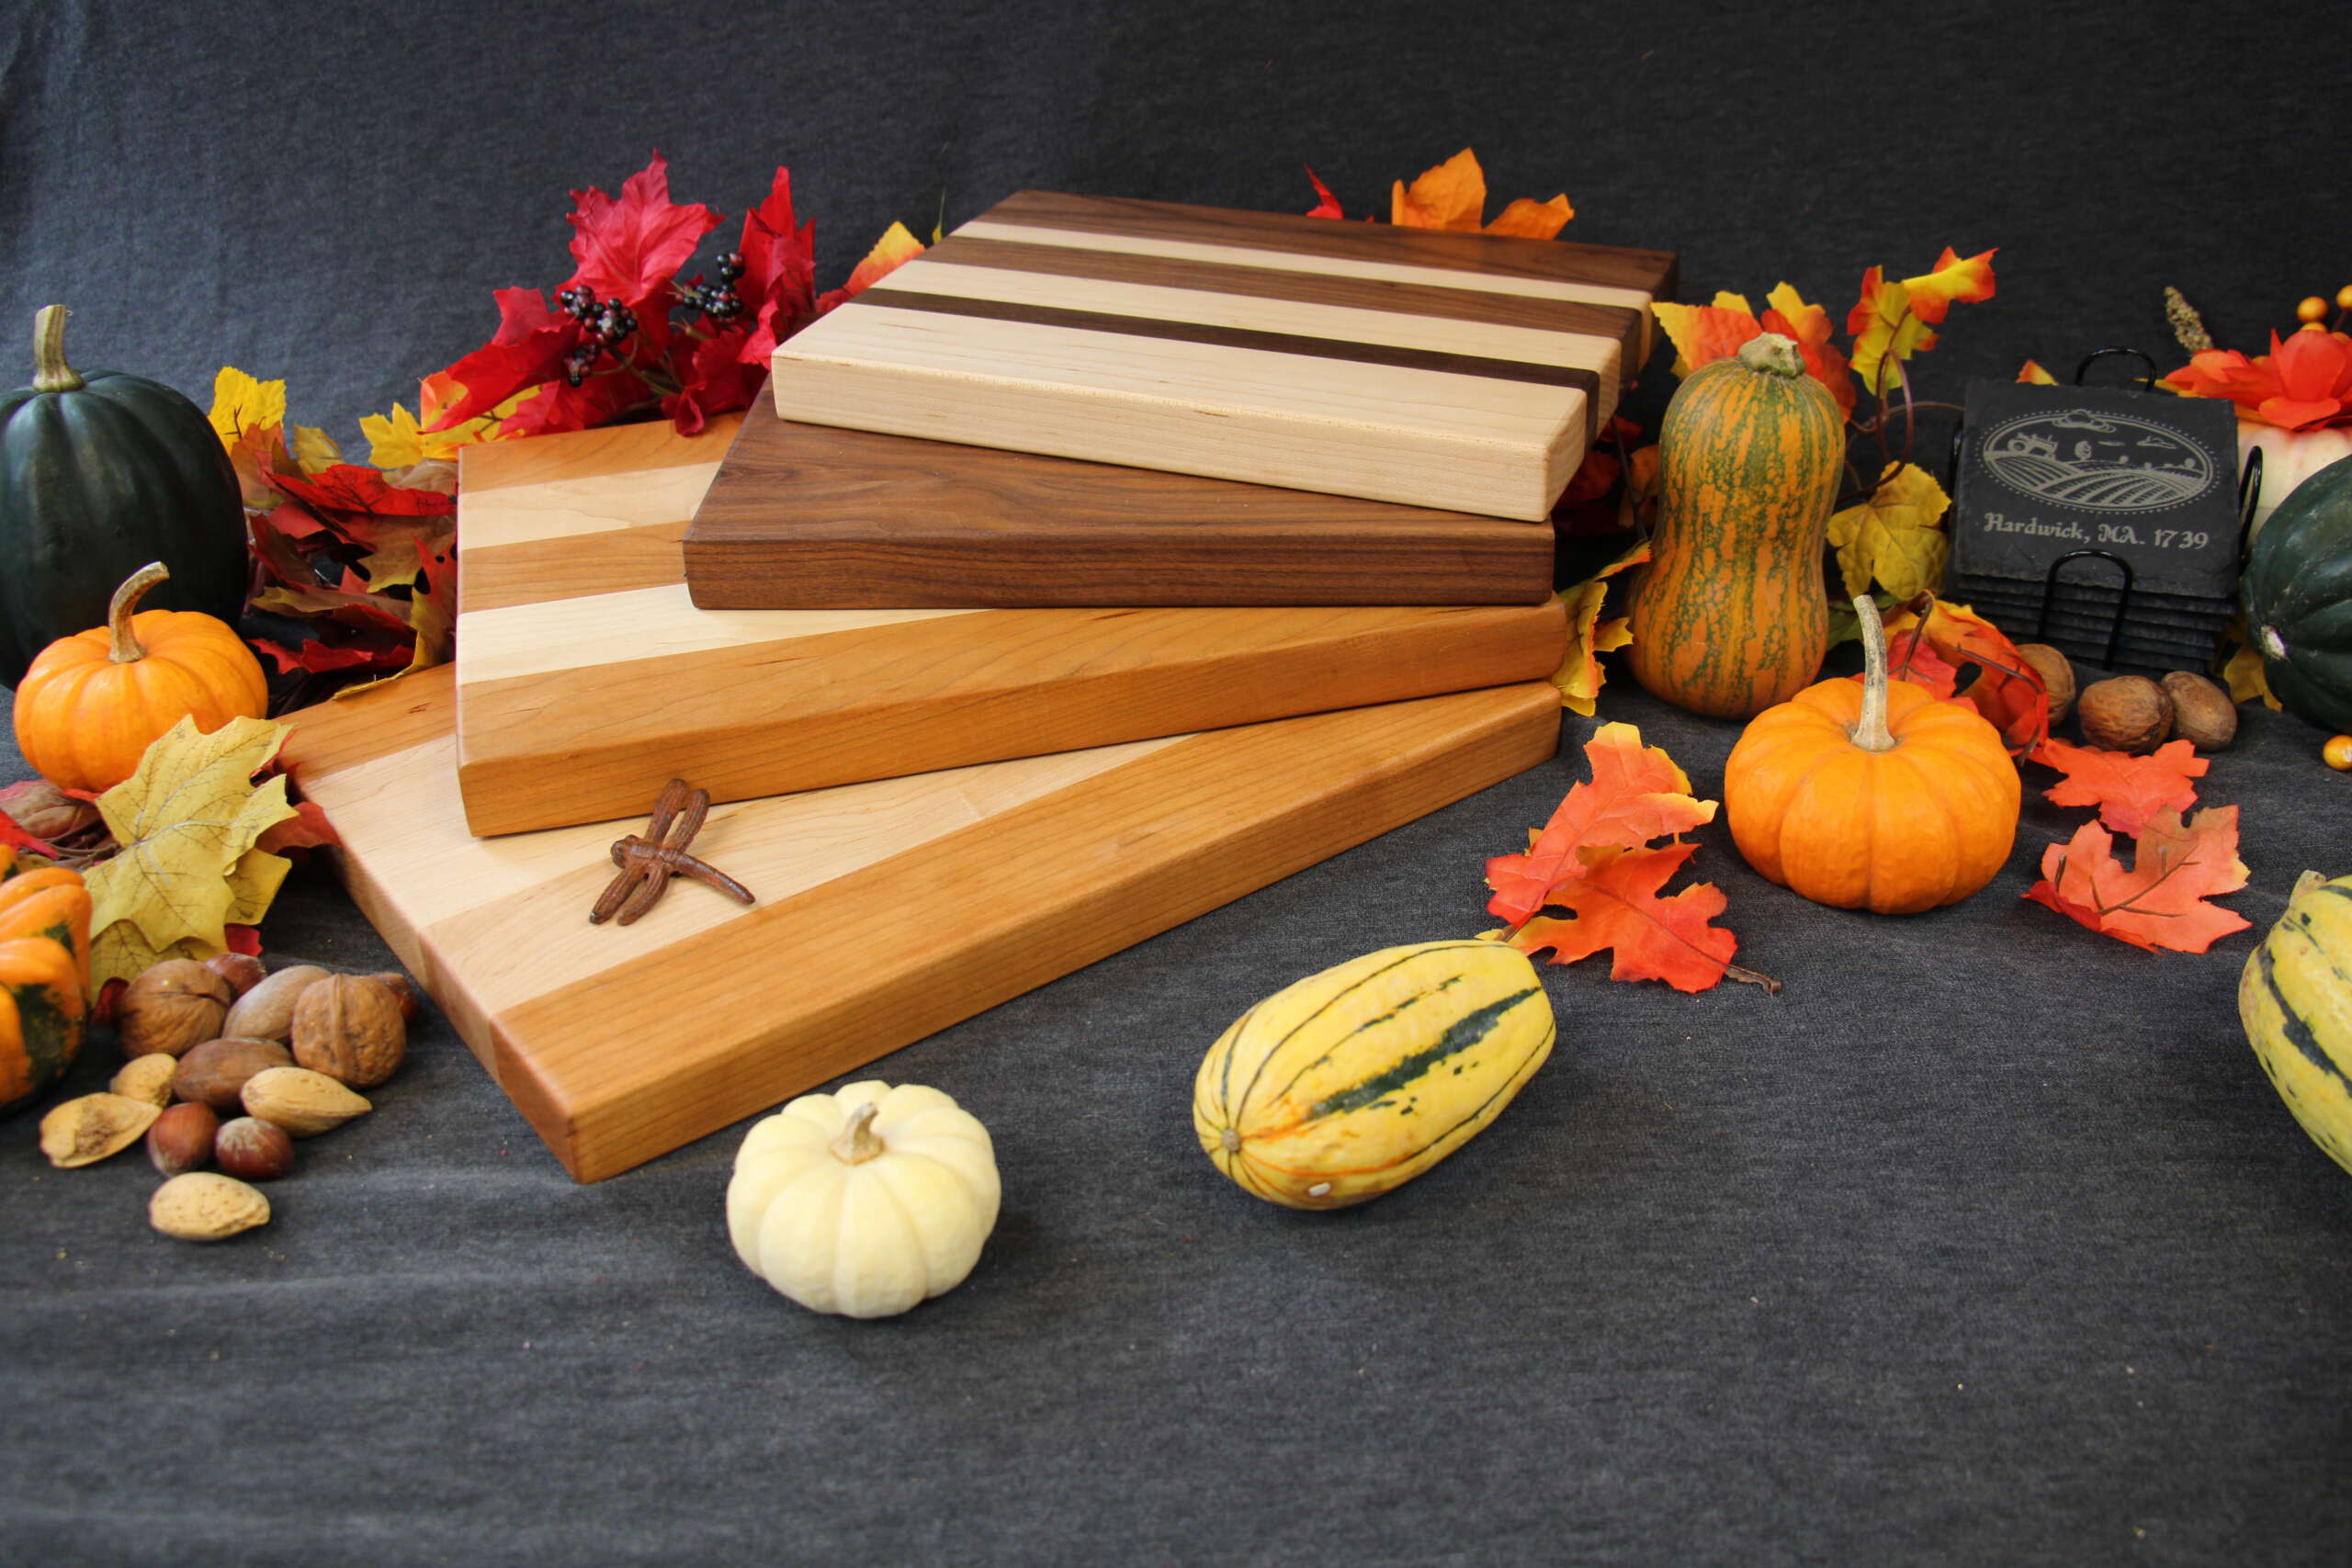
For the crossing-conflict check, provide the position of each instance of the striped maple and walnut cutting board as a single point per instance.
(586, 677)
(1461, 371)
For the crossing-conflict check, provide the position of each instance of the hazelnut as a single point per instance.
(214, 1073)
(147, 1078)
(266, 1012)
(2202, 714)
(173, 1005)
(253, 1150)
(241, 970)
(95, 1127)
(2125, 713)
(303, 1103)
(403, 992)
(201, 1206)
(2057, 674)
(181, 1138)
(349, 1028)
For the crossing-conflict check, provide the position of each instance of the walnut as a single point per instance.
(2202, 713)
(173, 1006)
(2057, 674)
(349, 1028)
(215, 1073)
(2125, 713)
(266, 1012)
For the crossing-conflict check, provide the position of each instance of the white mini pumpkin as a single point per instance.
(864, 1202)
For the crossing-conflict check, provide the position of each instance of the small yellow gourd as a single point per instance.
(864, 1202)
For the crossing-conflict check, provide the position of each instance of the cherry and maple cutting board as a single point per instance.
(806, 516)
(888, 910)
(1465, 372)
(586, 678)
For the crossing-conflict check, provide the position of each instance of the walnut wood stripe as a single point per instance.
(1623, 324)
(1563, 261)
(1566, 377)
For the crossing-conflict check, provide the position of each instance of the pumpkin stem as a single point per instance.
(50, 373)
(1773, 355)
(1870, 732)
(126, 648)
(857, 1142)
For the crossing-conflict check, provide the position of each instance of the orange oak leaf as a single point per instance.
(892, 251)
(1635, 794)
(2127, 789)
(1453, 196)
(1616, 906)
(1703, 332)
(2006, 692)
(2160, 902)
(2031, 374)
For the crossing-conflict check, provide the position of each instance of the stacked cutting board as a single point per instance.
(1109, 562)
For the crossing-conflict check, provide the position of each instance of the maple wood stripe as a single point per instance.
(1531, 312)
(1561, 261)
(1566, 377)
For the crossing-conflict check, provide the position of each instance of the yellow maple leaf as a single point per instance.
(187, 820)
(314, 449)
(2247, 680)
(1579, 677)
(1892, 322)
(401, 439)
(240, 403)
(1894, 535)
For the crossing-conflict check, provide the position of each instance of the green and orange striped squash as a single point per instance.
(44, 966)
(1351, 1082)
(1730, 616)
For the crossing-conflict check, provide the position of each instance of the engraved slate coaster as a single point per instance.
(2150, 477)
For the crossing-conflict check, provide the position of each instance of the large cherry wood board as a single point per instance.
(807, 516)
(587, 678)
(1460, 371)
(888, 910)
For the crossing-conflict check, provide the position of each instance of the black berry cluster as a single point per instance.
(609, 322)
(717, 301)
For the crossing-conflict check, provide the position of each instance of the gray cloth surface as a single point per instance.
(1986, 1242)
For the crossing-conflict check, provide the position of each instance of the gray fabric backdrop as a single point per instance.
(1986, 1242)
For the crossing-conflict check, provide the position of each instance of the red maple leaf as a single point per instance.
(714, 379)
(308, 829)
(1327, 204)
(528, 348)
(2127, 789)
(629, 249)
(2160, 902)
(2005, 691)
(1636, 794)
(779, 283)
(1912, 658)
(1616, 906)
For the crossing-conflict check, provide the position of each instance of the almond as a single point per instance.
(85, 1131)
(303, 1103)
(204, 1206)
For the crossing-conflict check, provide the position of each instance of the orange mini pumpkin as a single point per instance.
(1872, 796)
(92, 702)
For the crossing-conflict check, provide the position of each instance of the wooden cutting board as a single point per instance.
(1465, 372)
(587, 678)
(803, 516)
(889, 911)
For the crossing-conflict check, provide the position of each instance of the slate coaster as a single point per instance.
(2151, 478)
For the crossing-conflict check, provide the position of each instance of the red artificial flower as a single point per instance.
(2303, 383)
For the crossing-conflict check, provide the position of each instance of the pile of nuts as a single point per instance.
(226, 1065)
(2132, 713)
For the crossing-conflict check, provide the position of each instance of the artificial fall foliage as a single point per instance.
(2160, 900)
(1894, 536)
(1453, 196)
(190, 821)
(2128, 791)
(1595, 859)
(1930, 643)
(1579, 677)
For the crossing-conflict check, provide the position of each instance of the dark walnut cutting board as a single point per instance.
(619, 1043)
(805, 516)
(586, 678)
(1465, 372)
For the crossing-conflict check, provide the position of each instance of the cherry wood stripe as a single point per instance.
(1560, 261)
(1533, 312)
(1566, 377)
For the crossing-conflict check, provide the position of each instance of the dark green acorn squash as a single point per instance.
(2298, 595)
(100, 474)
